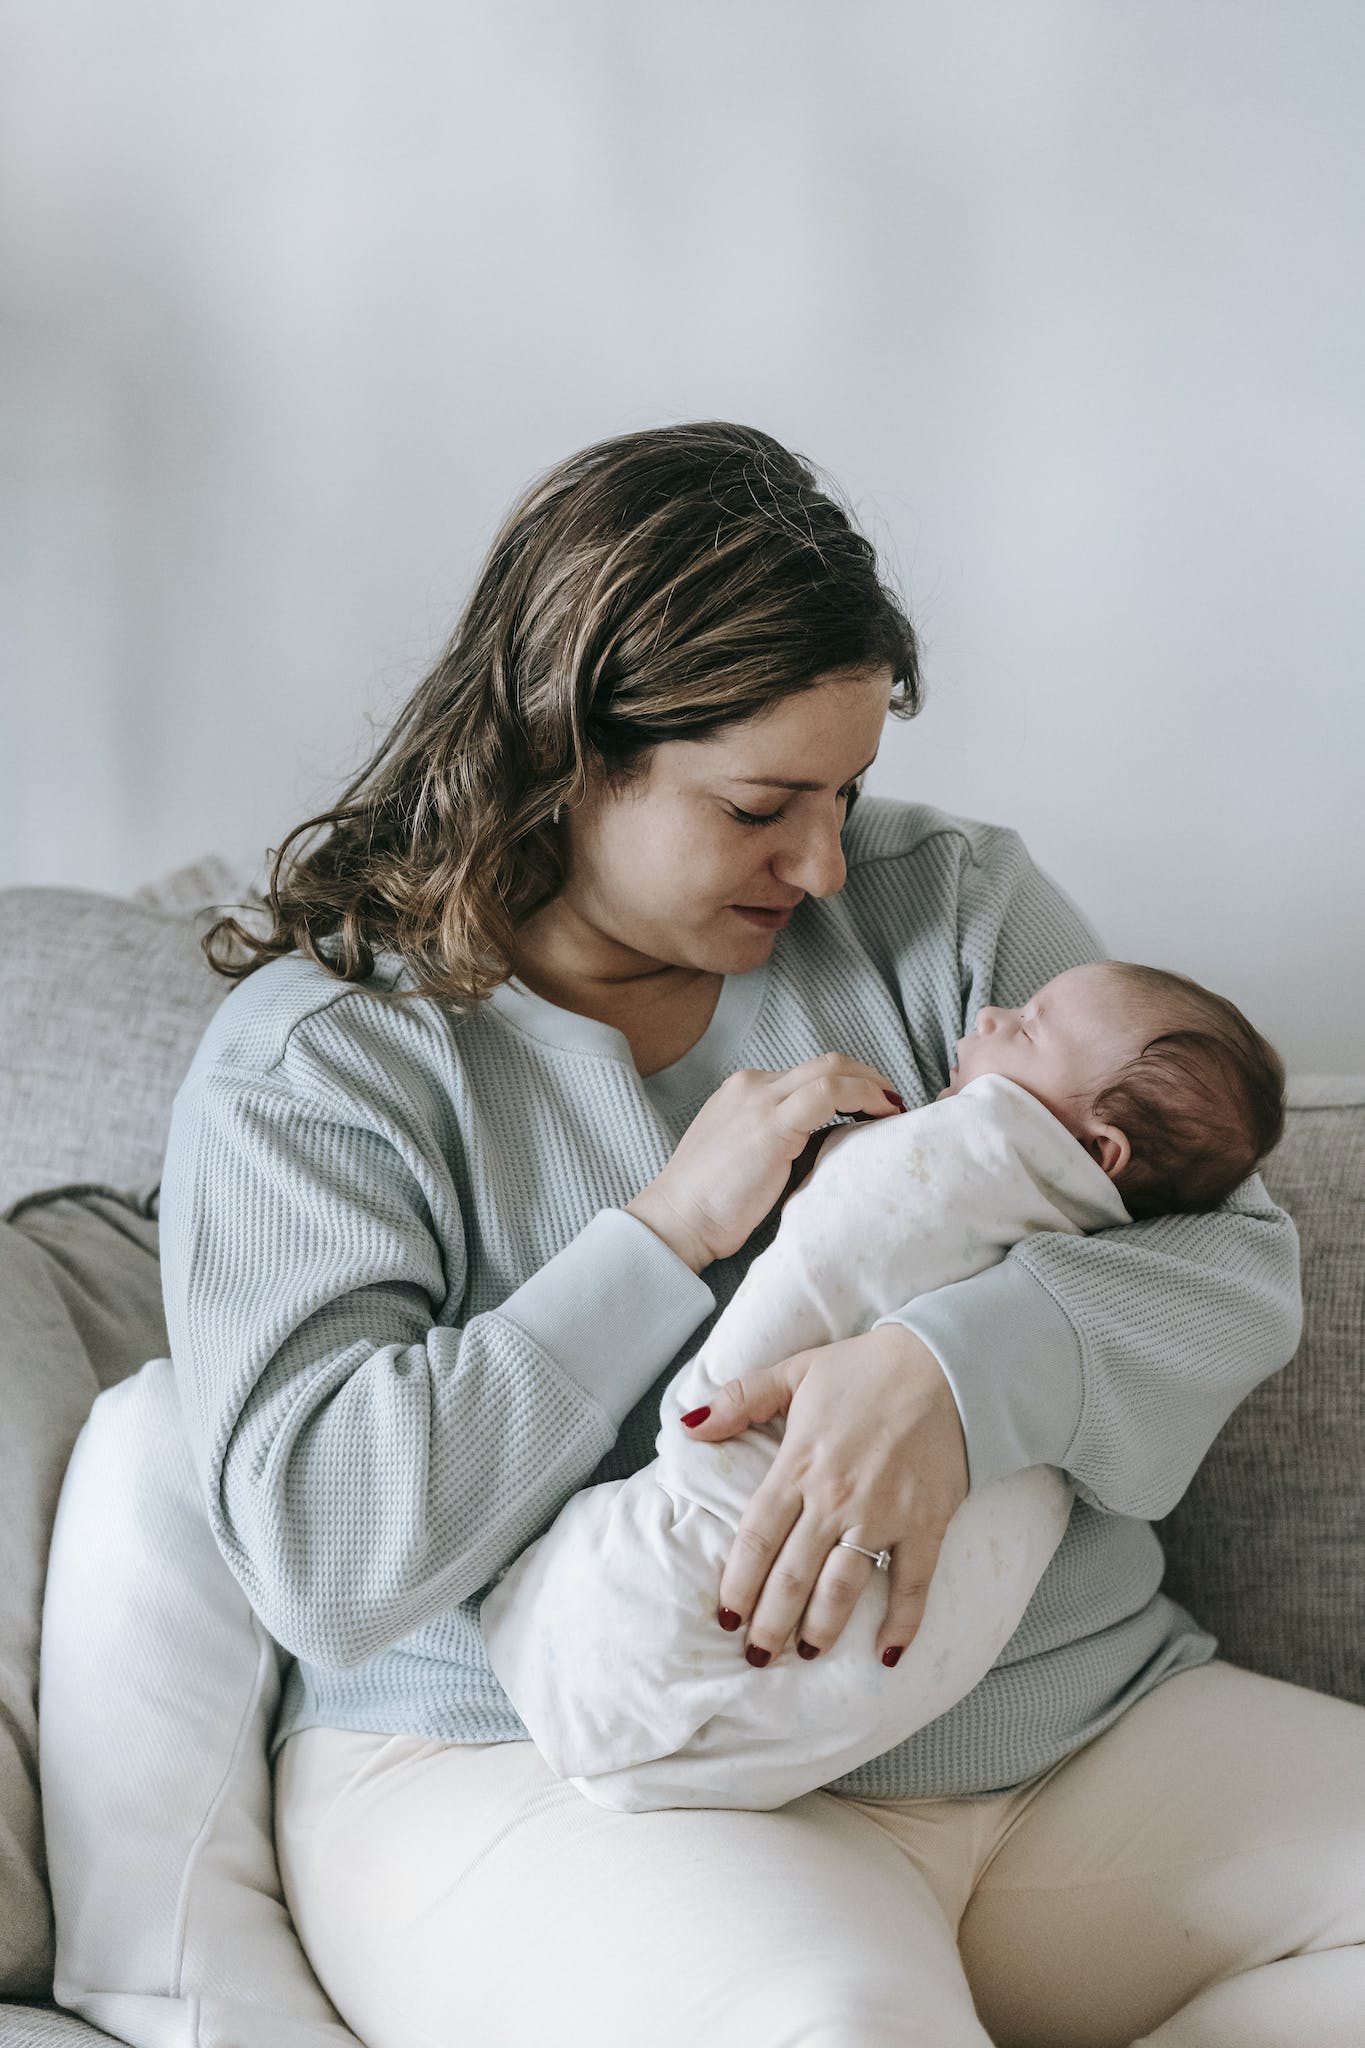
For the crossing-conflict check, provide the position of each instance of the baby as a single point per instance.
(1165, 1084)
(1115, 1092)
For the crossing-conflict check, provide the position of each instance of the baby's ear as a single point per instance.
(1108, 1146)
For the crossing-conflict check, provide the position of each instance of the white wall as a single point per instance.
(1068, 297)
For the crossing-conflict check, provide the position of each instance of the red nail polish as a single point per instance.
(697, 1415)
(807, 1650)
(728, 1619)
(892, 1656)
(899, 1100)
(756, 1656)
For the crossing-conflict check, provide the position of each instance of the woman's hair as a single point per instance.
(1201, 1105)
(654, 587)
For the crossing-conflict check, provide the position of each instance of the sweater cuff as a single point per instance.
(612, 1309)
(1013, 1362)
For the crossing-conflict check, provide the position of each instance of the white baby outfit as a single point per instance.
(603, 1632)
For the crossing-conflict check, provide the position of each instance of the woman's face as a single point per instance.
(659, 876)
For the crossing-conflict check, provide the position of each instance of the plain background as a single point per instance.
(1068, 298)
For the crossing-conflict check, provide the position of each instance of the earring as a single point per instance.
(558, 809)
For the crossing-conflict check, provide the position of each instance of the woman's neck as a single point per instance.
(570, 963)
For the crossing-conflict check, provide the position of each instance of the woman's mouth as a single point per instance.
(770, 920)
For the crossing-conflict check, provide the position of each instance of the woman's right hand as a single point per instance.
(734, 1160)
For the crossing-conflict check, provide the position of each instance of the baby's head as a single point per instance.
(1163, 1082)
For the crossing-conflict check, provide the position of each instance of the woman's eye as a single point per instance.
(771, 817)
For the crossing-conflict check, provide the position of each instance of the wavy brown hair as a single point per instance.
(654, 587)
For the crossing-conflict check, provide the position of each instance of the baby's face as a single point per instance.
(1064, 1045)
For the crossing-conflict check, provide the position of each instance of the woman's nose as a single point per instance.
(818, 864)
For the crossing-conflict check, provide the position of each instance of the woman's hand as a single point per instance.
(735, 1160)
(873, 1450)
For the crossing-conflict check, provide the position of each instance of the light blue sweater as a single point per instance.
(409, 1317)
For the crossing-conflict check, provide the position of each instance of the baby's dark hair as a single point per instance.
(1201, 1105)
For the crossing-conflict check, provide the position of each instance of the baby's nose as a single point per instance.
(988, 1019)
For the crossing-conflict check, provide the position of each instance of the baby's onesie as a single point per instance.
(603, 1632)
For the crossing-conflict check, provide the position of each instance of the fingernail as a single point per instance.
(899, 1100)
(892, 1656)
(728, 1619)
(757, 1656)
(806, 1650)
(697, 1415)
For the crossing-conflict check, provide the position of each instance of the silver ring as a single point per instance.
(881, 1558)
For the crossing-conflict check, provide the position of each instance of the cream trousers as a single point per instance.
(1193, 1878)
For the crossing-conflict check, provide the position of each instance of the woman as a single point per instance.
(540, 1036)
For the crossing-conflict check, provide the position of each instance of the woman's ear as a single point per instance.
(1108, 1146)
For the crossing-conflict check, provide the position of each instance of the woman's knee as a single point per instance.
(439, 1881)
(912, 1997)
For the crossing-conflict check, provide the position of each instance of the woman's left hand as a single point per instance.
(873, 1450)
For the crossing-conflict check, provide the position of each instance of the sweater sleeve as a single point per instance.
(1117, 1357)
(369, 1460)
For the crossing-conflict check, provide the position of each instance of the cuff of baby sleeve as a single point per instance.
(612, 1309)
(1013, 1362)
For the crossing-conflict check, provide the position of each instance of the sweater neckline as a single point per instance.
(700, 1070)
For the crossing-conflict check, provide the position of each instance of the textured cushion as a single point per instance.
(1267, 1548)
(158, 1689)
(102, 1004)
(80, 1307)
(44, 2026)
(211, 882)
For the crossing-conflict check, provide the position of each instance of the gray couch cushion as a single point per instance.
(102, 1004)
(1267, 1548)
(45, 2026)
(80, 1308)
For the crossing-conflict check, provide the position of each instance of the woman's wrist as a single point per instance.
(658, 1215)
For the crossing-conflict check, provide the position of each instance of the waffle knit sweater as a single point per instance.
(409, 1317)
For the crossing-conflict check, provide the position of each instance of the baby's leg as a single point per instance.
(604, 1634)
(769, 1736)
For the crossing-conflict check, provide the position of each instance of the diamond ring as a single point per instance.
(881, 1558)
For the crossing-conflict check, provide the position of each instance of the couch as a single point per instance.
(102, 1001)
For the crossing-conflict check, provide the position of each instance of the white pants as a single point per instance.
(1193, 1878)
